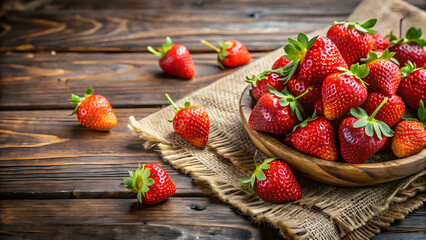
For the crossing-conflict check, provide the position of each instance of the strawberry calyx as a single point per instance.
(163, 51)
(371, 124)
(258, 173)
(282, 71)
(139, 181)
(356, 70)
(408, 69)
(78, 100)
(372, 56)
(305, 122)
(222, 53)
(296, 51)
(288, 99)
(413, 35)
(186, 105)
(365, 27)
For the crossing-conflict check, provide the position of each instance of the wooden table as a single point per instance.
(61, 180)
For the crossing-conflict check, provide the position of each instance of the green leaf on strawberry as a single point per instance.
(356, 70)
(78, 100)
(413, 35)
(139, 181)
(408, 69)
(372, 56)
(258, 173)
(371, 125)
(166, 47)
(305, 123)
(365, 27)
(288, 99)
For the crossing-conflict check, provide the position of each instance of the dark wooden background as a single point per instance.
(61, 180)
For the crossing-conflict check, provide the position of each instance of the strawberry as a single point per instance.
(380, 42)
(298, 87)
(312, 60)
(412, 88)
(281, 62)
(273, 181)
(353, 40)
(152, 184)
(232, 53)
(175, 59)
(409, 48)
(94, 111)
(276, 112)
(384, 75)
(319, 108)
(191, 123)
(356, 135)
(259, 83)
(315, 136)
(390, 113)
(410, 135)
(343, 91)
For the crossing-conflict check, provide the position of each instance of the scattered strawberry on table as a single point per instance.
(175, 59)
(232, 53)
(191, 123)
(152, 184)
(410, 48)
(94, 111)
(273, 181)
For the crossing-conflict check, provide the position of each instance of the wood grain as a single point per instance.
(337, 173)
(45, 81)
(134, 30)
(48, 154)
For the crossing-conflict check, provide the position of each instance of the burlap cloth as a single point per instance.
(324, 212)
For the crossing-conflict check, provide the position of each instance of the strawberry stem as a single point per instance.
(151, 49)
(171, 101)
(371, 117)
(210, 45)
(303, 94)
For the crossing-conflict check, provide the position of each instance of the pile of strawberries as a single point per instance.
(346, 93)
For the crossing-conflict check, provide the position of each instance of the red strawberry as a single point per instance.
(343, 91)
(390, 113)
(380, 42)
(319, 109)
(191, 123)
(312, 60)
(281, 62)
(384, 75)
(298, 87)
(273, 181)
(259, 83)
(362, 136)
(232, 53)
(354, 40)
(410, 135)
(94, 111)
(412, 88)
(409, 48)
(275, 112)
(152, 184)
(315, 136)
(175, 59)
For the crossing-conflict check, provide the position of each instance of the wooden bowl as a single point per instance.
(334, 173)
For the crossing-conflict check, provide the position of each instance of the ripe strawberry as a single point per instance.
(273, 181)
(315, 136)
(356, 135)
(343, 91)
(275, 112)
(281, 62)
(312, 60)
(380, 42)
(94, 111)
(259, 83)
(232, 53)
(409, 48)
(191, 123)
(412, 88)
(410, 135)
(390, 113)
(318, 107)
(298, 87)
(175, 59)
(384, 75)
(354, 40)
(152, 184)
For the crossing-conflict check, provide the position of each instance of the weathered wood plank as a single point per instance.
(48, 154)
(134, 30)
(43, 81)
(121, 219)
